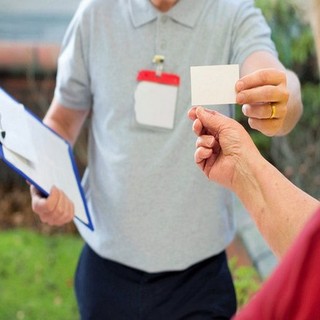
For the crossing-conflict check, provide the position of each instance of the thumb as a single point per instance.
(211, 120)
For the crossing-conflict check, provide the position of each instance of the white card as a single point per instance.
(212, 85)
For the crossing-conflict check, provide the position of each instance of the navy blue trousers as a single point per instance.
(107, 290)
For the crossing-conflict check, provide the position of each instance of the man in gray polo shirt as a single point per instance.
(161, 229)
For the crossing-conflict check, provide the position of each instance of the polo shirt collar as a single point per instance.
(184, 12)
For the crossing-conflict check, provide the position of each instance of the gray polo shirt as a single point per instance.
(152, 208)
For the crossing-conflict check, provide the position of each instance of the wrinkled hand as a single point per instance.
(223, 145)
(54, 210)
(261, 93)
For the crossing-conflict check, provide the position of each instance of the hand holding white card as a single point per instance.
(212, 85)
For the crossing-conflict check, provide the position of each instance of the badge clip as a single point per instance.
(158, 60)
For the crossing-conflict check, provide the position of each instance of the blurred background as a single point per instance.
(36, 261)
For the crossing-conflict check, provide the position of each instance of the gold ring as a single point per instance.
(273, 111)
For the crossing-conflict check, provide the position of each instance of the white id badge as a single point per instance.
(155, 99)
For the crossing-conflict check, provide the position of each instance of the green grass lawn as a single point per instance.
(36, 276)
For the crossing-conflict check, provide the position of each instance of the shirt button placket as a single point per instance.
(162, 41)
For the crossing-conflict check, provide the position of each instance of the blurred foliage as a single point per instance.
(37, 275)
(291, 34)
(298, 154)
(246, 281)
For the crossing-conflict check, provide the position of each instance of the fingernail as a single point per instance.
(199, 110)
(244, 109)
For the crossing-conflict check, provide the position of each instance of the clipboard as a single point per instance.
(39, 155)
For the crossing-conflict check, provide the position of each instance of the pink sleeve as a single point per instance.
(293, 290)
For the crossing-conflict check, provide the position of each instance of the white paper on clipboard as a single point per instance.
(51, 162)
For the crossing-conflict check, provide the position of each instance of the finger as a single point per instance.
(44, 207)
(38, 202)
(55, 197)
(269, 127)
(62, 204)
(192, 113)
(63, 212)
(263, 94)
(212, 120)
(261, 78)
(66, 214)
(257, 111)
(202, 154)
(259, 95)
(206, 141)
(264, 111)
(197, 127)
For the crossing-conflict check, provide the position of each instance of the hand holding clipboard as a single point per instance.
(39, 155)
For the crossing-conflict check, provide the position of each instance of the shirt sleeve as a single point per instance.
(293, 290)
(73, 81)
(251, 32)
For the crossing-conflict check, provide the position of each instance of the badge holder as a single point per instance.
(156, 96)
